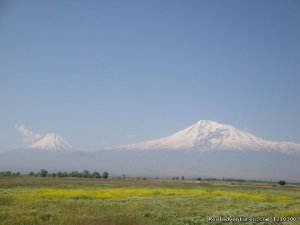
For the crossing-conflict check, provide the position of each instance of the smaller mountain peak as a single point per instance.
(51, 135)
(53, 142)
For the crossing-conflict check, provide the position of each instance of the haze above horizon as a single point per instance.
(119, 72)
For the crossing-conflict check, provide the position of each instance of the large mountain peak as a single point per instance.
(206, 127)
(52, 142)
(206, 135)
(207, 123)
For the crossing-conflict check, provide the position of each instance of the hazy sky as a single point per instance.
(104, 73)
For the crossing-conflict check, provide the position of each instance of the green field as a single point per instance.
(84, 201)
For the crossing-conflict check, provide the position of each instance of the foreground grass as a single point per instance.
(113, 202)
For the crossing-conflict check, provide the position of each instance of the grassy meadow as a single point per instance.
(88, 201)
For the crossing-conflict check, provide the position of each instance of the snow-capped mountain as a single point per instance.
(208, 135)
(203, 149)
(52, 142)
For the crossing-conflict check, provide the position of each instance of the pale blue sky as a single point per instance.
(105, 73)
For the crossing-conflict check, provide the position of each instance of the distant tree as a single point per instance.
(105, 175)
(53, 174)
(60, 174)
(124, 176)
(18, 174)
(72, 174)
(281, 182)
(66, 174)
(31, 173)
(85, 173)
(96, 174)
(43, 173)
(7, 173)
(199, 179)
(182, 178)
(75, 174)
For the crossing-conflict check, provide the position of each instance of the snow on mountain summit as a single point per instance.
(52, 142)
(206, 135)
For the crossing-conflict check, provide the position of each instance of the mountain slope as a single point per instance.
(208, 135)
(52, 142)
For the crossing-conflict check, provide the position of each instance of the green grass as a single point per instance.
(76, 201)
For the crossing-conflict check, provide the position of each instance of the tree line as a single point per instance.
(105, 174)
(45, 173)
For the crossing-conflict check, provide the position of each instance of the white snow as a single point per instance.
(52, 142)
(206, 135)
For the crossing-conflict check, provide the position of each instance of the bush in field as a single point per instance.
(31, 173)
(281, 182)
(53, 175)
(6, 173)
(85, 173)
(62, 174)
(43, 173)
(105, 175)
(75, 174)
(96, 174)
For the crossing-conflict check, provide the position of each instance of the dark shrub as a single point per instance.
(281, 182)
